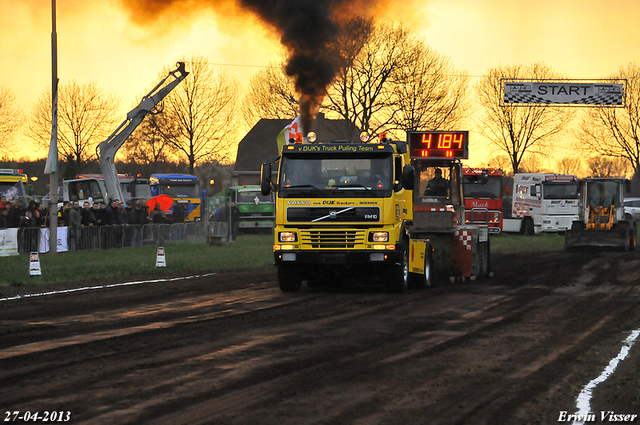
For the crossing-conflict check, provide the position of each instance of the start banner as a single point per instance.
(563, 93)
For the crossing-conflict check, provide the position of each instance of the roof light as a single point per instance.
(364, 137)
(311, 137)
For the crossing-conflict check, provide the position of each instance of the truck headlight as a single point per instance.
(379, 237)
(287, 237)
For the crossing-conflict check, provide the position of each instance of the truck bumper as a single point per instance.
(328, 258)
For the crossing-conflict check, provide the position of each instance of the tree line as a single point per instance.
(389, 81)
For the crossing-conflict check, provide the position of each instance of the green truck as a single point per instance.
(257, 211)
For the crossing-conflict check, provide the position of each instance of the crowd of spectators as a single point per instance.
(16, 214)
(83, 221)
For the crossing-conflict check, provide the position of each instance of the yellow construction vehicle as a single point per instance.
(602, 220)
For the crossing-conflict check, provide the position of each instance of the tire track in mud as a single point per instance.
(452, 354)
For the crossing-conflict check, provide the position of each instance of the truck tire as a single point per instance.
(397, 276)
(625, 232)
(424, 280)
(288, 279)
(527, 227)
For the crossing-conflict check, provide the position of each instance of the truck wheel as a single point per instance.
(425, 280)
(527, 228)
(398, 274)
(625, 232)
(288, 279)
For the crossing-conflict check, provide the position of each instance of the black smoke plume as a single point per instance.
(309, 30)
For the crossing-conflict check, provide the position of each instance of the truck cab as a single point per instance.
(482, 189)
(14, 185)
(341, 206)
(542, 202)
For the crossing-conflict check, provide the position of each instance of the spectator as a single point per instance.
(103, 213)
(156, 215)
(38, 220)
(4, 221)
(63, 214)
(88, 227)
(3, 201)
(178, 213)
(235, 221)
(140, 213)
(18, 212)
(111, 213)
(88, 218)
(138, 219)
(97, 213)
(44, 214)
(11, 219)
(75, 221)
(123, 217)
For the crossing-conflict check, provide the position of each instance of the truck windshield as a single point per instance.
(136, 190)
(560, 190)
(602, 193)
(181, 190)
(249, 197)
(336, 176)
(473, 188)
(12, 190)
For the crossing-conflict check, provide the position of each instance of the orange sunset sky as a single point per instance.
(98, 40)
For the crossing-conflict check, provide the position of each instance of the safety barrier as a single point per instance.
(31, 239)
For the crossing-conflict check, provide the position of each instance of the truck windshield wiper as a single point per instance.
(304, 186)
(352, 186)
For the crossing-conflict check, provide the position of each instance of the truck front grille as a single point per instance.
(332, 239)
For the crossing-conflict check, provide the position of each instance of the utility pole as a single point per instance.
(51, 167)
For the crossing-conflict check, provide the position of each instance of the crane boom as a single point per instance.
(109, 148)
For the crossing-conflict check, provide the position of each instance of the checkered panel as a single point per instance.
(464, 236)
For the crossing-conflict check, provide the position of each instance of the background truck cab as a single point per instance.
(542, 203)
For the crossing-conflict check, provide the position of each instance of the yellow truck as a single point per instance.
(14, 185)
(345, 207)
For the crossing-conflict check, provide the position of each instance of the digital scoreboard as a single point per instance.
(439, 144)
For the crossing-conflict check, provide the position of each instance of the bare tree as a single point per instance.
(392, 80)
(501, 162)
(10, 118)
(270, 95)
(147, 144)
(86, 117)
(429, 94)
(532, 164)
(519, 130)
(601, 166)
(615, 132)
(201, 115)
(363, 90)
(570, 165)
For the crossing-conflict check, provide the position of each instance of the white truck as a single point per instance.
(92, 188)
(542, 202)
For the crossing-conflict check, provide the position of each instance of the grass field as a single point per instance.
(101, 266)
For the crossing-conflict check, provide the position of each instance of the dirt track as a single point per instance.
(232, 349)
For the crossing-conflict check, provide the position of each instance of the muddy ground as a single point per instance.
(232, 349)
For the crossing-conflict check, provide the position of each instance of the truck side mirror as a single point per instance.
(627, 185)
(408, 177)
(265, 178)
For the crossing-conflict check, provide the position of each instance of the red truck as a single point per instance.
(482, 189)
